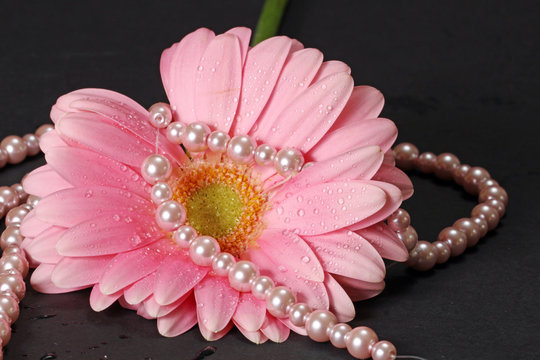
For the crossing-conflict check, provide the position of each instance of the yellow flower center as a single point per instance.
(224, 200)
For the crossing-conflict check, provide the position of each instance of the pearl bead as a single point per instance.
(14, 282)
(160, 115)
(288, 162)
(222, 263)
(156, 168)
(298, 314)
(488, 183)
(32, 143)
(497, 205)
(13, 249)
(359, 342)
(399, 220)
(202, 249)
(160, 193)
(9, 306)
(241, 149)
(19, 190)
(425, 256)
(194, 138)
(487, 212)
(3, 158)
(455, 239)
(5, 332)
(406, 155)
(474, 178)
(242, 274)
(11, 236)
(409, 237)
(175, 131)
(45, 128)
(493, 192)
(217, 141)
(446, 165)
(264, 154)
(443, 251)
(170, 215)
(279, 300)
(16, 215)
(383, 350)
(16, 262)
(470, 229)
(426, 162)
(337, 335)
(460, 172)
(261, 286)
(15, 147)
(318, 325)
(184, 235)
(8, 197)
(33, 200)
(482, 225)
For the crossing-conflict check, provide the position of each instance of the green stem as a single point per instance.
(269, 20)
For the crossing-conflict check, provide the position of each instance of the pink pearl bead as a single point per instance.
(359, 342)
(9, 306)
(32, 142)
(203, 249)
(455, 239)
(476, 176)
(446, 165)
(409, 237)
(16, 215)
(482, 225)
(488, 183)
(184, 235)
(160, 115)
(383, 350)
(425, 256)
(15, 148)
(21, 194)
(5, 332)
(222, 263)
(337, 335)
(399, 220)
(279, 301)
(13, 281)
(426, 162)
(493, 192)
(443, 251)
(242, 274)
(8, 197)
(318, 325)
(32, 200)
(3, 158)
(45, 128)
(487, 212)
(298, 314)
(406, 155)
(14, 261)
(11, 236)
(261, 286)
(497, 205)
(470, 229)
(460, 172)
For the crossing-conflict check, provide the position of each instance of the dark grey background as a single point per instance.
(458, 76)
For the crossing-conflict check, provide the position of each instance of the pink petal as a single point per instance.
(261, 71)
(385, 241)
(180, 320)
(75, 272)
(389, 158)
(109, 234)
(156, 310)
(381, 132)
(244, 35)
(306, 119)
(275, 330)
(44, 181)
(358, 289)
(31, 226)
(393, 175)
(346, 253)
(329, 68)
(340, 303)
(256, 337)
(100, 301)
(83, 167)
(211, 335)
(50, 140)
(216, 303)
(298, 71)
(41, 281)
(126, 268)
(327, 207)
(175, 277)
(140, 290)
(122, 302)
(141, 311)
(289, 251)
(297, 329)
(365, 102)
(43, 248)
(250, 312)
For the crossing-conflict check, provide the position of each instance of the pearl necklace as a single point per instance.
(320, 325)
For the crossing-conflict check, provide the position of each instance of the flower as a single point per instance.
(321, 233)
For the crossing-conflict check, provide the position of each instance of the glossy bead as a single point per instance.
(383, 350)
(184, 235)
(474, 178)
(156, 168)
(5, 332)
(195, 135)
(497, 205)
(264, 154)
(8, 197)
(318, 325)
(19, 190)
(460, 172)
(15, 147)
(487, 212)
(241, 149)
(202, 250)
(443, 251)
(482, 224)
(14, 282)
(14, 249)
(160, 115)
(261, 286)
(45, 128)
(406, 155)
(409, 237)
(279, 301)
(242, 274)
(175, 131)
(359, 342)
(426, 162)
(470, 229)
(32, 143)
(337, 335)
(222, 263)
(446, 165)
(399, 220)
(425, 256)
(288, 162)
(493, 192)
(16, 215)
(455, 239)
(32, 200)
(10, 306)
(3, 158)
(487, 183)
(160, 193)
(217, 141)
(11, 236)
(15, 262)
(298, 314)
(170, 215)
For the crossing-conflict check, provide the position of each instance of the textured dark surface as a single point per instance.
(457, 76)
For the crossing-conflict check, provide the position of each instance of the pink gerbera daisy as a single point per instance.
(321, 233)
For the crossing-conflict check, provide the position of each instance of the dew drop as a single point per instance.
(305, 259)
(301, 212)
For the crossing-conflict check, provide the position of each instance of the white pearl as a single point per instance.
(156, 168)
(288, 162)
(319, 323)
(175, 131)
(160, 115)
(184, 235)
(264, 154)
(298, 313)
(170, 215)
(217, 141)
(241, 149)
(222, 263)
(161, 192)
(261, 286)
(194, 138)
(337, 335)
(242, 274)
(203, 249)
(279, 301)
